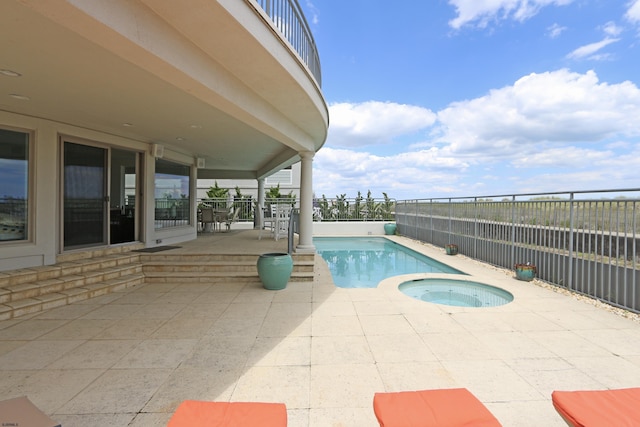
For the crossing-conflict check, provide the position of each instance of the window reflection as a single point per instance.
(14, 184)
(172, 197)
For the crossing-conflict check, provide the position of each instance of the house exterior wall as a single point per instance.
(44, 241)
(249, 187)
(189, 76)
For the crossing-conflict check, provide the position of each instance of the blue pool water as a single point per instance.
(458, 293)
(362, 262)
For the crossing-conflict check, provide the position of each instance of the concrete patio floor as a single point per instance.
(129, 358)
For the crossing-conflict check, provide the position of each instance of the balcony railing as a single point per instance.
(353, 209)
(287, 16)
(588, 245)
(338, 209)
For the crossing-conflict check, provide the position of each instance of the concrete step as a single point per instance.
(83, 275)
(43, 301)
(216, 268)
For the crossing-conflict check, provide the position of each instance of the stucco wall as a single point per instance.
(365, 228)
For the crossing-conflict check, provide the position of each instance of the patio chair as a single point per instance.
(231, 218)
(283, 213)
(195, 413)
(269, 220)
(599, 408)
(454, 407)
(207, 216)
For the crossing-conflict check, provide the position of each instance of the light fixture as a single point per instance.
(20, 97)
(179, 138)
(127, 125)
(10, 73)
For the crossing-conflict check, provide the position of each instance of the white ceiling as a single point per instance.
(187, 75)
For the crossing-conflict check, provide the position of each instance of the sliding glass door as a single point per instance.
(100, 195)
(85, 195)
(123, 184)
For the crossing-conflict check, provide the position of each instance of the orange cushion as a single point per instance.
(429, 408)
(194, 413)
(594, 408)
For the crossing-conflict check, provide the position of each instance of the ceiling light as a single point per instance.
(179, 138)
(20, 97)
(10, 73)
(127, 125)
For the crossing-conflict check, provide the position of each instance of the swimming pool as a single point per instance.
(459, 293)
(362, 262)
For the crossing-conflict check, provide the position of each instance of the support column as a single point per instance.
(259, 214)
(305, 242)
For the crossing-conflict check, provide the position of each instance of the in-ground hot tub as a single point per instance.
(459, 293)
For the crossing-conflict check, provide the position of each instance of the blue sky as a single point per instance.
(446, 98)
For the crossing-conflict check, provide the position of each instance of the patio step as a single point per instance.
(216, 268)
(76, 277)
(83, 275)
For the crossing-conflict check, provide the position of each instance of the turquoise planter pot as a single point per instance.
(526, 272)
(390, 229)
(275, 270)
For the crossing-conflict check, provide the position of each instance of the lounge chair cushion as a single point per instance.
(594, 408)
(194, 413)
(430, 408)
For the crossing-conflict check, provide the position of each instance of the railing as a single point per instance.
(353, 209)
(338, 209)
(246, 205)
(13, 218)
(289, 19)
(588, 245)
(294, 227)
(171, 212)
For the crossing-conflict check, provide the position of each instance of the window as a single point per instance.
(172, 194)
(14, 185)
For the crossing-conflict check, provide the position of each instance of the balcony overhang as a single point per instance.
(205, 78)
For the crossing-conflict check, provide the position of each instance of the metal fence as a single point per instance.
(13, 218)
(353, 209)
(287, 16)
(171, 212)
(588, 242)
(245, 204)
(337, 209)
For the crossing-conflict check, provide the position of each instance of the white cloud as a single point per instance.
(561, 157)
(612, 29)
(589, 50)
(339, 171)
(547, 108)
(375, 123)
(313, 11)
(547, 130)
(633, 12)
(481, 12)
(554, 31)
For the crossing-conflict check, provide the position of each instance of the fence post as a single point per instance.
(513, 230)
(475, 228)
(571, 235)
(450, 213)
(431, 220)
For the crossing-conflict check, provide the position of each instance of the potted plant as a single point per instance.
(451, 249)
(390, 229)
(275, 270)
(526, 272)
